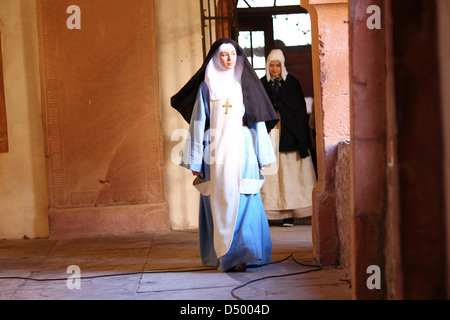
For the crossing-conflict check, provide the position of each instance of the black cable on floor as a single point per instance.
(108, 275)
(317, 268)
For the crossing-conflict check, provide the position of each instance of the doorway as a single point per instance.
(266, 25)
(248, 21)
(263, 28)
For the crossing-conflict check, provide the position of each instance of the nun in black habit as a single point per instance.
(228, 143)
(287, 192)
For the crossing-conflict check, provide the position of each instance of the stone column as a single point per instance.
(368, 147)
(329, 23)
(444, 49)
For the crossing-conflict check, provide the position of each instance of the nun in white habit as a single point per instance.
(228, 144)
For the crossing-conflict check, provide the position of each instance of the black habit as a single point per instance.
(258, 107)
(289, 100)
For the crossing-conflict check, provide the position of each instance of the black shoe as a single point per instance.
(241, 267)
(289, 222)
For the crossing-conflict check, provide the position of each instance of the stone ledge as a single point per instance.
(112, 220)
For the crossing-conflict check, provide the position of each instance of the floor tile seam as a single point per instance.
(337, 284)
(144, 267)
(38, 264)
(16, 288)
(261, 279)
(186, 289)
(266, 279)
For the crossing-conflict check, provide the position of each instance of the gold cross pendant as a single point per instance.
(226, 106)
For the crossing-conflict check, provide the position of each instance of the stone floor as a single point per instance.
(161, 266)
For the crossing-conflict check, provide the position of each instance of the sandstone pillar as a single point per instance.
(368, 147)
(329, 23)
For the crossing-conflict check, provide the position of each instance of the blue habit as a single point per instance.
(251, 243)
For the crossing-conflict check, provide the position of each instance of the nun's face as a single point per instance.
(228, 58)
(275, 68)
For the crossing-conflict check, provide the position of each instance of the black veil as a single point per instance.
(258, 107)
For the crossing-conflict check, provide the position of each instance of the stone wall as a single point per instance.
(23, 192)
(329, 28)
